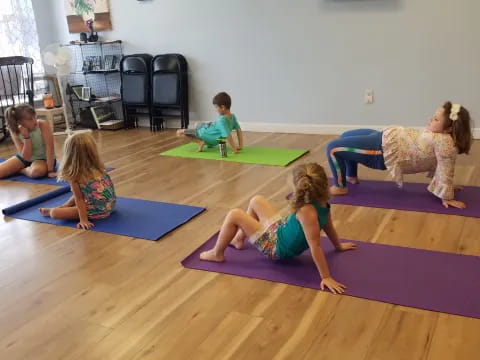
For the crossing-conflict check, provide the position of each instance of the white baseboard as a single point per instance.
(320, 129)
(169, 124)
(316, 128)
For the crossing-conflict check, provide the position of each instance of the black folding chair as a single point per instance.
(16, 86)
(169, 90)
(135, 88)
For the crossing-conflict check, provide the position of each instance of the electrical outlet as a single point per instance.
(368, 97)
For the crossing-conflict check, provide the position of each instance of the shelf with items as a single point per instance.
(102, 71)
(106, 72)
(81, 43)
(96, 113)
(77, 96)
(95, 66)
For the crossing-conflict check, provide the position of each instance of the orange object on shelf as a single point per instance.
(48, 102)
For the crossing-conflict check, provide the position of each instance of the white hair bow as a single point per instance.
(454, 112)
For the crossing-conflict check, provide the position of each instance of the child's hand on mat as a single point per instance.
(332, 285)
(344, 246)
(52, 174)
(86, 225)
(454, 203)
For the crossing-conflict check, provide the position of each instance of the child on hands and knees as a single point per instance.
(93, 192)
(404, 150)
(281, 238)
(33, 140)
(209, 133)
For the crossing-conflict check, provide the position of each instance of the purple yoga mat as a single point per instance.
(411, 197)
(423, 279)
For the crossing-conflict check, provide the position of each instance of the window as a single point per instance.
(18, 31)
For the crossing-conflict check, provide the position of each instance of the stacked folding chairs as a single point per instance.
(156, 87)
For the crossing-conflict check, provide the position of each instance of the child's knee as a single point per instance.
(257, 199)
(235, 214)
(36, 173)
(332, 145)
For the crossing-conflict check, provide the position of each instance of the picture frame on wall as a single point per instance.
(80, 11)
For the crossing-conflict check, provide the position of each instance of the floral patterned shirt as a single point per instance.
(99, 196)
(409, 151)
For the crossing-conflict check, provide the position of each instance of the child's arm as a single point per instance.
(81, 206)
(16, 141)
(47, 136)
(332, 235)
(307, 216)
(25, 149)
(240, 138)
(231, 142)
(442, 182)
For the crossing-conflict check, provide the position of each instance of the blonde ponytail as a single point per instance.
(311, 185)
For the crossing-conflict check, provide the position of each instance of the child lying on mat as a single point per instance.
(404, 150)
(93, 192)
(209, 133)
(281, 238)
(33, 140)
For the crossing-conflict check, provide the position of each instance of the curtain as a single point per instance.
(18, 31)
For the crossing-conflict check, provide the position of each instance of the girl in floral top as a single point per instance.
(404, 150)
(93, 192)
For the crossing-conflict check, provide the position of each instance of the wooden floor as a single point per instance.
(73, 294)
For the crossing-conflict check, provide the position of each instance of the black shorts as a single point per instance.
(27, 163)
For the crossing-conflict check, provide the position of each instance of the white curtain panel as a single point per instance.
(18, 31)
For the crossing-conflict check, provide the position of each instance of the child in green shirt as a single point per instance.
(209, 133)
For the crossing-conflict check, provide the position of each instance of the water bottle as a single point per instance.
(222, 145)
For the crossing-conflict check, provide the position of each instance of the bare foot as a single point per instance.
(338, 190)
(45, 211)
(353, 180)
(211, 255)
(180, 132)
(200, 147)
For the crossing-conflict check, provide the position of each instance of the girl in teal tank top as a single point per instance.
(33, 140)
(280, 238)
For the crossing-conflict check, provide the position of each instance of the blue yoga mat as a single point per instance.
(143, 219)
(44, 180)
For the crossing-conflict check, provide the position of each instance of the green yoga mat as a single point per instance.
(249, 154)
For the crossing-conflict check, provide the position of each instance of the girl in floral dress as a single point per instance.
(93, 192)
(404, 150)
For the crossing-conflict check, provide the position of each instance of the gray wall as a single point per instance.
(309, 61)
(46, 22)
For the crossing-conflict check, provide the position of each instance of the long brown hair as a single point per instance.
(311, 185)
(80, 159)
(461, 128)
(15, 114)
